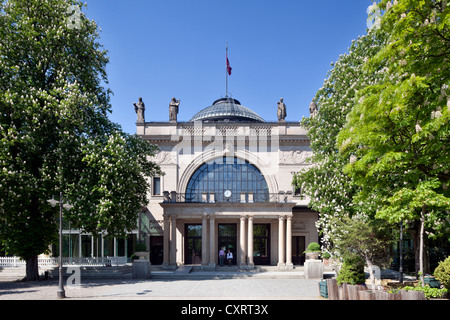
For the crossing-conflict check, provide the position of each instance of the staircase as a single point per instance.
(196, 272)
(117, 272)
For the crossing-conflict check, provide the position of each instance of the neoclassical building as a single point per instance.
(226, 184)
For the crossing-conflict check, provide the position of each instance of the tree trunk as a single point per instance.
(32, 269)
(421, 246)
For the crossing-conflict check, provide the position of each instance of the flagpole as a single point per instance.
(226, 74)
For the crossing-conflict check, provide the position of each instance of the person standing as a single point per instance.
(229, 257)
(221, 256)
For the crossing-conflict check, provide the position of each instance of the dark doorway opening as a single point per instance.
(193, 244)
(261, 244)
(298, 249)
(156, 250)
(228, 240)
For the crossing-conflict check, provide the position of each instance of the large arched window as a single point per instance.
(227, 179)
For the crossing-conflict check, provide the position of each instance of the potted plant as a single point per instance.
(326, 258)
(313, 251)
(141, 251)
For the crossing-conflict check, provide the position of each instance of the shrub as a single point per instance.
(140, 247)
(429, 292)
(442, 273)
(313, 247)
(352, 272)
(326, 255)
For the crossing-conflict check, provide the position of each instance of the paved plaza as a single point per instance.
(164, 289)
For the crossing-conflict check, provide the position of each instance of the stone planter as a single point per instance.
(312, 255)
(141, 254)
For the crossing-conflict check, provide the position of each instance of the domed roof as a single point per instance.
(227, 109)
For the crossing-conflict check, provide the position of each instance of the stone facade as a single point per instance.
(193, 232)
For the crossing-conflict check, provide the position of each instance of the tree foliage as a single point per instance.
(398, 132)
(54, 132)
(331, 191)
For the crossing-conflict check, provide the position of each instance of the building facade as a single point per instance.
(226, 184)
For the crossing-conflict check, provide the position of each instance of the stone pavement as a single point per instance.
(248, 288)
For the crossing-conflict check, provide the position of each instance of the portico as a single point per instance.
(274, 218)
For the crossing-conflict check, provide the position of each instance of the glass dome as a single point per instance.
(227, 109)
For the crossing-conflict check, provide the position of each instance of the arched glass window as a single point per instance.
(227, 179)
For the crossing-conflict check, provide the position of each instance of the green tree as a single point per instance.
(331, 191)
(54, 132)
(396, 137)
(364, 238)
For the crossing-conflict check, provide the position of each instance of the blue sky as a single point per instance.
(161, 49)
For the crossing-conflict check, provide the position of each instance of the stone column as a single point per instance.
(242, 244)
(204, 241)
(173, 241)
(281, 249)
(166, 261)
(251, 264)
(289, 263)
(212, 242)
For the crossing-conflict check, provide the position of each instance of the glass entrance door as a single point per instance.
(261, 244)
(193, 244)
(298, 247)
(227, 240)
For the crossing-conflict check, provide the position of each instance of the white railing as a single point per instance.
(67, 261)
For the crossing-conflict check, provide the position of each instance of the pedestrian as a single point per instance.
(221, 256)
(229, 257)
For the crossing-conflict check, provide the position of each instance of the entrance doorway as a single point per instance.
(298, 247)
(193, 244)
(261, 244)
(156, 250)
(227, 240)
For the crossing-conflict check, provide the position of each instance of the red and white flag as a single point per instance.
(228, 64)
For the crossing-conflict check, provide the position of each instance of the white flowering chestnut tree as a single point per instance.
(398, 133)
(331, 191)
(55, 135)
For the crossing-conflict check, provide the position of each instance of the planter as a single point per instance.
(312, 255)
(432, 282)
(141, 254)
(326, 262)
(323, 289)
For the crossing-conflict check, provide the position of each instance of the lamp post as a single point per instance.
(401, 253)
(61, 294)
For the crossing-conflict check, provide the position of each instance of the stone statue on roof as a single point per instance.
(281, 112)
(140, 110)
(313, 109)
(173, 109)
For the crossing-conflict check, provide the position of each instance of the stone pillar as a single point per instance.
(213, 252)
(251, 264)
(289, 263)
(204, 241)
(166, 261)
(281, 249)
(173, 241)
(242, 245)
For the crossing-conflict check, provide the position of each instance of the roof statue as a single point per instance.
(140, 109)
(281, 111)
(313, 109)
(173, 109)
